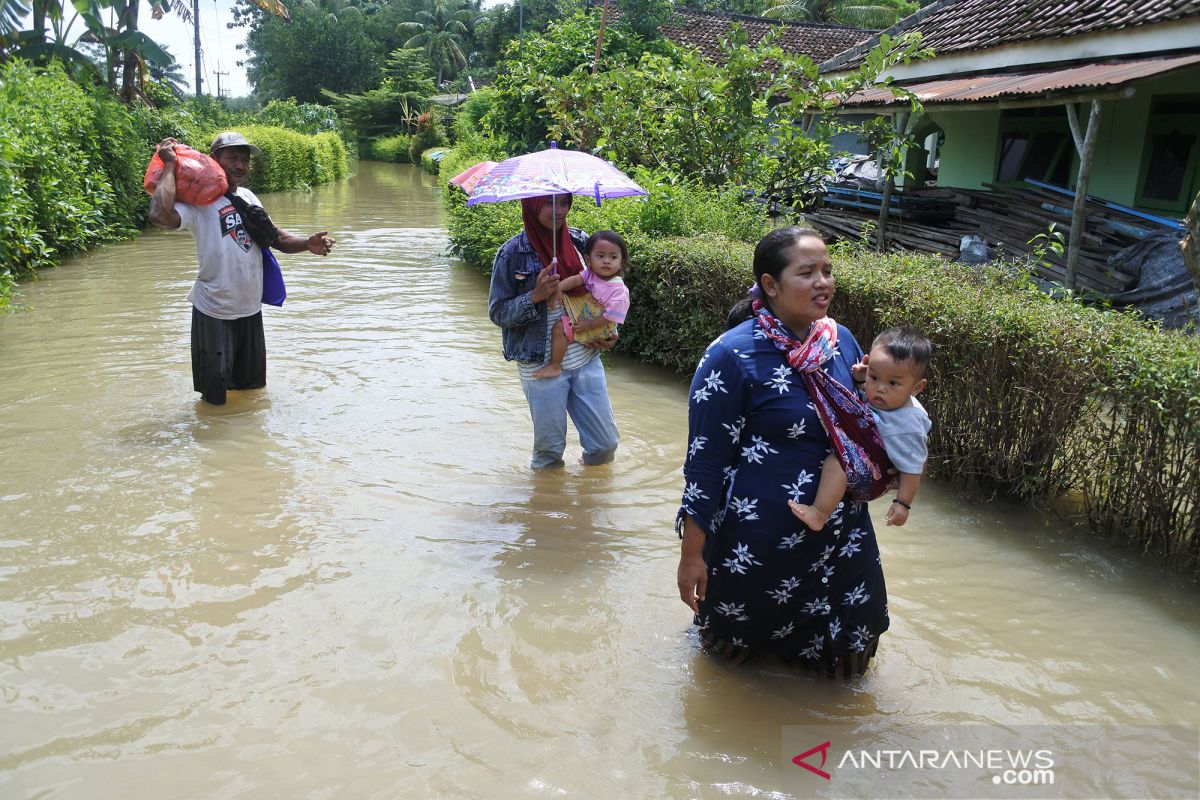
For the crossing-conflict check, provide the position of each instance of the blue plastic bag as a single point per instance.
(274, 292)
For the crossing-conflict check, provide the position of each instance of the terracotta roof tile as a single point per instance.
(704, 30)
(950, 26)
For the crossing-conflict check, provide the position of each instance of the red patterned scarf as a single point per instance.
(847, 419)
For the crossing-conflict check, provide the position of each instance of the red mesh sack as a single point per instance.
(199, 179)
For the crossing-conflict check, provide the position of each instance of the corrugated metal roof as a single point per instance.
(996, 86)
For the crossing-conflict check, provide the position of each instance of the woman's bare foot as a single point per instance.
(548, 371)
(811, 516)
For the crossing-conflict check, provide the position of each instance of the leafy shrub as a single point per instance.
(393, 148)
(292, 160)
(516, 112)
(308, 118)
(68, 169)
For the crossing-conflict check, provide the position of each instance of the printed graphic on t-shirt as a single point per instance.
(231, 226)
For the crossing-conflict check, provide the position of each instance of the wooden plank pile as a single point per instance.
(1008, 218)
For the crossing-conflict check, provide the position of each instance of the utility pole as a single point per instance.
(196, 42)
(219, 73)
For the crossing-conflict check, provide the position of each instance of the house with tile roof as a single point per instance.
(1098, 96)
(1009, 74)
(704, 30)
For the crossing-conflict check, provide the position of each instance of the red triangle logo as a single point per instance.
(823, 749)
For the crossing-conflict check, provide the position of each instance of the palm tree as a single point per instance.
(439, 30)
(334, 10)
(874, 14)
(11, 12)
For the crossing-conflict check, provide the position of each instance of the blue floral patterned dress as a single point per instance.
(754, 441)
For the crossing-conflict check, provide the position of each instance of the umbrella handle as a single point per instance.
(553, 217)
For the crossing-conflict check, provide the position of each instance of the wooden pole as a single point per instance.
(600, 37)
(1191, 243)
(196, 44)
(1085, 145)
(900, 123)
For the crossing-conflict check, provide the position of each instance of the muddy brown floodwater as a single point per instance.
(350, 585)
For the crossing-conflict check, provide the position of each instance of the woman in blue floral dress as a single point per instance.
(755, 576)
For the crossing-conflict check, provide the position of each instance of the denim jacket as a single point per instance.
(510, 304)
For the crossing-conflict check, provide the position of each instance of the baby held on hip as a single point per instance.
(890, 377)
(591, 317)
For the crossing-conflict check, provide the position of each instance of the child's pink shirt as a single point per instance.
(612, 294)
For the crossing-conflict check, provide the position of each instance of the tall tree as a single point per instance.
(310, 54)
(441, 30)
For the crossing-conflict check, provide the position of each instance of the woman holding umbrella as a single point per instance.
(525, 279)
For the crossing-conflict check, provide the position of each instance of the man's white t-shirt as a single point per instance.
(230, 281)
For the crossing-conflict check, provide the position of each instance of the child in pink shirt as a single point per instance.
(594, 315)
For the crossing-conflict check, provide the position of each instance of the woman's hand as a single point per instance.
(603, 344)
(896, 514)
(692, 575)
(547, 284)
(692, 579)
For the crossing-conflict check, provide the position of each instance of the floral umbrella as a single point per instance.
(553, 172)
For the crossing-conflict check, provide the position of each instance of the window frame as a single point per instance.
(1160, 122)
(1043, 119)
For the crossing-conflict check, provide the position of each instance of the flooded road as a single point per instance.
(349, 584)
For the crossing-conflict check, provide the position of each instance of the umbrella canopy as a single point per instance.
(470, 176)
(552, 172)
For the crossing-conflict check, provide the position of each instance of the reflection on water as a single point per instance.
(349, 584)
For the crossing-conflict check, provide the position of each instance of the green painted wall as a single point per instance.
(968, 157)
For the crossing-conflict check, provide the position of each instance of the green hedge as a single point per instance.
(69, 177)
(293, 160)
(1032, 398)
(392, 148)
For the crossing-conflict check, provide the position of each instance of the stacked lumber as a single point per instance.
(1009, 219)
(941, 237)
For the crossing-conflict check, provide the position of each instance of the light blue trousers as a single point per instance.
(582, 393)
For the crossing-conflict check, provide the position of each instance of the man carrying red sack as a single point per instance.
(228, 347)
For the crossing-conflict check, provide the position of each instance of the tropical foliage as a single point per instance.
(440, 30)
(70, 170)
(874, 14)
(309, 54)
(763, 118)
